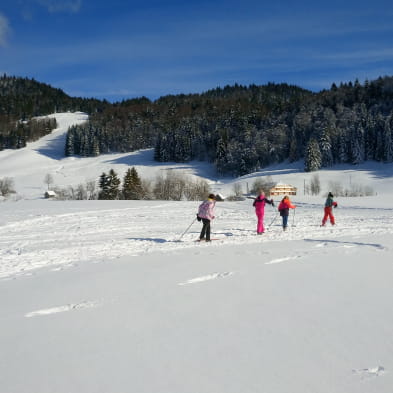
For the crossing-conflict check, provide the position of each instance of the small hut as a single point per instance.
(50, 194)
(220, 198)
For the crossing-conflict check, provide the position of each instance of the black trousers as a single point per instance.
(205, 232)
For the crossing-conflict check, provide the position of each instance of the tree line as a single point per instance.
(244, 128)
(169, 185)
(21, 132)
(22, 100)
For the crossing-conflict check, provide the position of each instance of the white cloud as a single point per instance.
(383, 54)
(61, 5)
(4, 30)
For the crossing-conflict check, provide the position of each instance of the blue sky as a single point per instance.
(124, 49)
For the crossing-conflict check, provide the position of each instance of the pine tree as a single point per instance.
(342, 148)
(132, 185)
(388, 140)
(313, 157)
(380, 138)
(326, 149)
(69, 144)
(293, 149)
(357, 144)
(104, 183)
(114, 184)
(221, 156)
(369, 137)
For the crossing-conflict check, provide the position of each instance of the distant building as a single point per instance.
(283, 189)
(50, 194)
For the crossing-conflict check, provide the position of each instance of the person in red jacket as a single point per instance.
(283, 208)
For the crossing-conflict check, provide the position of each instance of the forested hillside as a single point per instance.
(22, 99)
(241, 129)
(238, 128)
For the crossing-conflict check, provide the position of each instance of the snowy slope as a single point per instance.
(102, 297)
(28, 166)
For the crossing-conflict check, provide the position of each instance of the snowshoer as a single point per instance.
(259, 204)
(329, 204)
(206, 214)
(283, 208)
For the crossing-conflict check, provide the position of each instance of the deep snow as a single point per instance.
(100, 296)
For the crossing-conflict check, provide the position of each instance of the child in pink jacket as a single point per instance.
(259, 204)
(206, 213)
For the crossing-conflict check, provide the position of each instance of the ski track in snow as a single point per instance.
(60, 309)
(279, 260)
(208, 277)
(373, 372)
(65, 240)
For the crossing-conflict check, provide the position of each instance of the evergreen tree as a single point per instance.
(388, 140)
(369, 137)
(114, 184)
(326, 149)
(313, 157)
(380, 137)
(357, 143)
(104, 184)
(342, 149)
(293, 150)
(132, 185)
(69, 144)
(221, 162)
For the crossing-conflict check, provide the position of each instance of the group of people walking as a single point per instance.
(206, 212)
(283, 208)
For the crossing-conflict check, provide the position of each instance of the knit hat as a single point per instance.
(212, 196)
(330, 195)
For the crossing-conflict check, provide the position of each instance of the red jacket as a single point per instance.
(284, 207)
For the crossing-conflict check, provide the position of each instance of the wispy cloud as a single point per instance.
(54, 6)
(4, 30)
(374, 55)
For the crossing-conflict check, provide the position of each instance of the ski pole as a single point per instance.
(293, 222)
(274, 219)
(187, 229)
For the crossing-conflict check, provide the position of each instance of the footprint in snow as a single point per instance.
(370, 372)
(280, 260)
(58, 309)
(63, 267)
(208, 277)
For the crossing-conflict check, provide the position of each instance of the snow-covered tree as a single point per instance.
(326, 148)
(313, 159)
(114, 184)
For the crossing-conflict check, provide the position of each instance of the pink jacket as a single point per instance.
(259, 204)
(206, 209)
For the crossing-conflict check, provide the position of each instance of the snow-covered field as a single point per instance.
(102, 297)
